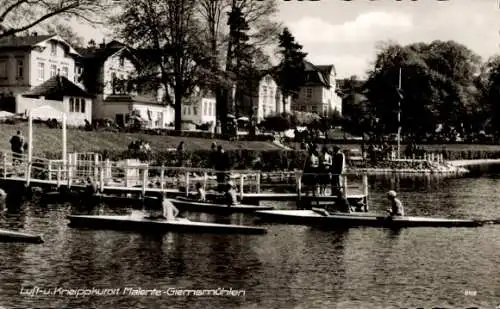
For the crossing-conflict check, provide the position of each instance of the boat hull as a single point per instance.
(213, 208)
(128, 223)
(107, 199)
(339, 220)
(14, 236)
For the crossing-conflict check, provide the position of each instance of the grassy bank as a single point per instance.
(46, 140)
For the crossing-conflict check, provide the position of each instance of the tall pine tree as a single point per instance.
(291, 69)
(240, 53)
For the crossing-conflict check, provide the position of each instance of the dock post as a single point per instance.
(69, 174)
(258, 182)
(344, 181)
(96, 165)
(162, 179)
(4, 155)
(101, 179)
(242, 183)
(58, 176)
(144, 180)
(365, 191)
(298, 183)
(187, 183)
(28, 173)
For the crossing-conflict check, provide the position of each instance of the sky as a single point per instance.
(346, 33)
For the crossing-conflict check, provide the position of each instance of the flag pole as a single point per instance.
(399, 115)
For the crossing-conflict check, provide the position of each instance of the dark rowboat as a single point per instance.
(14, 236)
(186, 204)
(108, 199)
(129, 223)
(338, 220)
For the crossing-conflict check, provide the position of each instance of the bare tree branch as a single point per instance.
(22, 15)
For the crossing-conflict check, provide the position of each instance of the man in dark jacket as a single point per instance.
(17, 147)
(337, 169)
(222, 166)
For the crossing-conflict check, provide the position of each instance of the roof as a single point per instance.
(101, 53)
(141, 99)
(317, 76)
(57, 87)
(23, 42)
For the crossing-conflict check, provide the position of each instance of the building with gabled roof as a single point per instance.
(29, 66)
(110, 74)
(58, 94)
(318, 95)
(263, 97)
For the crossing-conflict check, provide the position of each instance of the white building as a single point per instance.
(318, 95)
(27, 62)
(264, 100)
(109, 71)
(56, 97)
(201, 111)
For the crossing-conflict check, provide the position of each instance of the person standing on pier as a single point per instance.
(310, 171)
(325, 166)
(17, 147)
(222, 166)
(337, 170)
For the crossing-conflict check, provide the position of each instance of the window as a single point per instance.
(3, 69)
(82, 105)
(65, 72)
(314, 109)
(308, 93)
(41, 71)
(77, 106)
(195, 110)
(20, 69)
(205, 108)
(122, 62)
(71, 105)
(53, 69)
(53, 49)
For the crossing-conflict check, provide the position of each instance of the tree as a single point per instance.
(21, 15)
(166, 31)
(488, 84)
(259, 17)
(291, 68)
(67, 33)
(437, 81)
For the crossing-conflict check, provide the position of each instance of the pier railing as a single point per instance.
(143, 177)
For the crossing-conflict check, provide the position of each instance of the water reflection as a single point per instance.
(290, 267)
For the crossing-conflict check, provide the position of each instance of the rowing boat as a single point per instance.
(108, 199)
(186, 204)
(336, 220)
(14, 236)
(159, 225)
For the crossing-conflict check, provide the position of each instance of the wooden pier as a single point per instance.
(131, 177)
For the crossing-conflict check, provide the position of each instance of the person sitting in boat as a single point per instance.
(170, 212)
(396, 205)
(230, 197)
(200, 194)
(91, 188)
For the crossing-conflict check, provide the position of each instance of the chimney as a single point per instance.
(103, 44)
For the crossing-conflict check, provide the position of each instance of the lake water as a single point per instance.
(290, 267)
